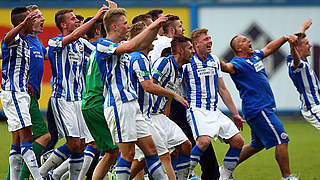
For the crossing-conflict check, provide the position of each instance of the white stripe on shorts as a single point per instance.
(271, 126)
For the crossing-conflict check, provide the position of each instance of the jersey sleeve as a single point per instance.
(55, 44)
(141, 68)
(88, 47)
(106, 48)
(290, 65)
(238, 65)
(160, 68)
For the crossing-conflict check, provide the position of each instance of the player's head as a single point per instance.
(201, 41)
(155, 14)
(173, 26)
(241, 45)
(115, 21)
(146, 18)
(39, 19)
(79, 20)
(182, 46)
(18, 14)
(66, 20)
(95, 30)
(303, 45)
(136, 29)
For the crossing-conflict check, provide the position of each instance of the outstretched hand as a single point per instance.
(111, 4)
(160, 21)
(31, 18)
(101, 11)
(238, 121)
(292, 39)
(306, 24)
(181, 100)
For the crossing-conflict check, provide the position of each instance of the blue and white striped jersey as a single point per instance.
(114, 71)
(165, 71)
(15, 64)
(67, 64)
(306, 82)
(200, 82)
(140, 71)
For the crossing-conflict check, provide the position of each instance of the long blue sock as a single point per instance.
(123, 169)
(182, 165)
(196, 153)
(75, 165)
(154, 167)
(231, 159)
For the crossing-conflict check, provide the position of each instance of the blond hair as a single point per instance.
(111, 17)
(197, 33)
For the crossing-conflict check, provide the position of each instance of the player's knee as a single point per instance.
(203, 142)
(74, 144)
(186, 147)
(237, 141)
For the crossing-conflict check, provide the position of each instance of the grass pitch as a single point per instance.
(304, 150)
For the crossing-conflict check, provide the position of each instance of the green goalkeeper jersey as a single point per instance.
(93, 92)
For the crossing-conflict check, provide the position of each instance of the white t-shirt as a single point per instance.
(159, 45)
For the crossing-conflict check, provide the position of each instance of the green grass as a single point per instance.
(303, 148)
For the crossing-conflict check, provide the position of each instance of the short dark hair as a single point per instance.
(79, 17)
(232, 45)
(59, 17)
(141, 17)
(300, 37)
(177, 42)
(97, 25)
(155, 13)
(18, 14)
(169, 24)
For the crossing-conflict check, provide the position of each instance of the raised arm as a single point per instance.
(144, 39)
(305, 26)
(227, 67)
(226, 97)
(9, 38)
(155, 89)
(274, 45)
(75, 35)
(295, 55)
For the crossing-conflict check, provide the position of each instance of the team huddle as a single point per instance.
(142, 97)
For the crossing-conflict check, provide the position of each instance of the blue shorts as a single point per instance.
(267, 130)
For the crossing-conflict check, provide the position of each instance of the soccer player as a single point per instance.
(248, 74)
(121, 109)
(66, 54)
(202, 80)
(171, 28)
(40, 131)
(164, 72)
(14, 92)
(142, 82)
(155, 14)
(92, 109)
(303, 77)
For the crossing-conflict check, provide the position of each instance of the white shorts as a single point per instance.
(69, 119)
(126, 122)
(16, 108)
(158, 140)
(168, 129)
(312, 116)
(211, 123)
